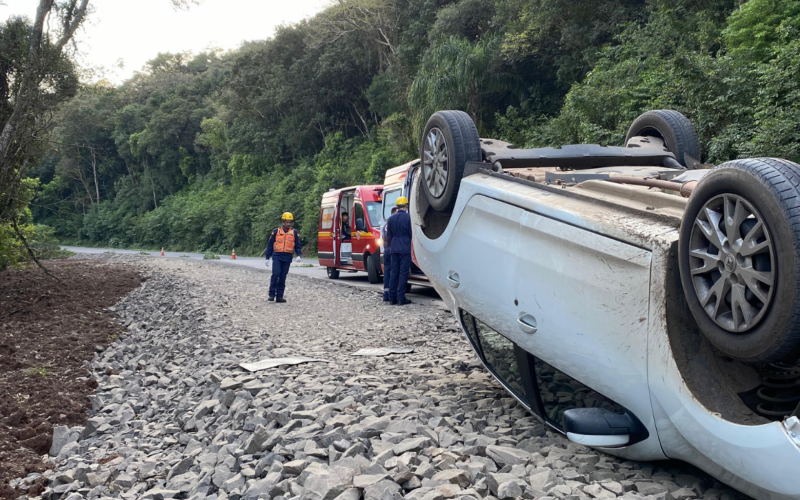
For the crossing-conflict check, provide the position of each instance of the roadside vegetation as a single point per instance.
(204, 152)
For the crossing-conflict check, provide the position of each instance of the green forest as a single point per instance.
(203, 152)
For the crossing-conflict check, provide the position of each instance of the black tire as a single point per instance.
(408, 287)
(374, 268)
(460, 138)
(676, 130)
(769, 190)
(333, 273)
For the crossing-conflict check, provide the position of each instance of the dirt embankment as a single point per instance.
(47, 330)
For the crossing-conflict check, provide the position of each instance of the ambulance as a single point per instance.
(361, 251)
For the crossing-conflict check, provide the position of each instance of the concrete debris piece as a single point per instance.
(323, 484)
(455, 476)
(650, 488)
(177, 415)
(265, 364)
(506, 455)
(382, 351)
(62, 435)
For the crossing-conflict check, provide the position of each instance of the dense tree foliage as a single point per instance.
(36, 75)
(205, 152)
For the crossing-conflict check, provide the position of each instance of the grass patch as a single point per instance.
(210, 256)
(38, 370)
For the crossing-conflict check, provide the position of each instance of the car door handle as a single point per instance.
(527, 323)
(452, 278)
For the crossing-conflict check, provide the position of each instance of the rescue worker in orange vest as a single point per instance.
(283, 243)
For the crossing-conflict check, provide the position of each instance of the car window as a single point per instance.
(500, 357)
(374, 213)
(560, 392)
(326, 219)
(469, 327)
(389, 201)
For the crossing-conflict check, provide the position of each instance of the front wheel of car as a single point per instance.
(374, 268)
(739, 261)
(449, 142)
(333, 273)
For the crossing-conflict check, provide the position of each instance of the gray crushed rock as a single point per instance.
(175, 416)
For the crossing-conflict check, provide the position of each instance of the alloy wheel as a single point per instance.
(732, 262)
(435, 162)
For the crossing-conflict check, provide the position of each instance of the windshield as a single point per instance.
(389, 201)
(374, 213)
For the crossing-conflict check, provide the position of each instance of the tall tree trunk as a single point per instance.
(82, 178)
(474, 106)
(153, 185)
(30, 79)
(94, 168)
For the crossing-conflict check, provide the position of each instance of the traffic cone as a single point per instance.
(162, 251)
(233, 254)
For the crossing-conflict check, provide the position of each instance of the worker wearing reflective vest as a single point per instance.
(283, 243)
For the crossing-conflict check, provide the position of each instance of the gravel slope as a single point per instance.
(177, 418)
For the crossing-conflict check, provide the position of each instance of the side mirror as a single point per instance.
(601, 428)
(360, 225)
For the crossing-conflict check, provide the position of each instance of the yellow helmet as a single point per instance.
(402, 201)
(287, 216)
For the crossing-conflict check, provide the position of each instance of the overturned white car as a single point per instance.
(642, 322)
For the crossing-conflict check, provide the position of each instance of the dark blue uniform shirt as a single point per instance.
(398, 232)
(282, 255)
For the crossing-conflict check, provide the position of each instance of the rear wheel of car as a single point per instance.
(333, 273)
(449, 142)
(673, 127)
(739, 265)
(374, 268)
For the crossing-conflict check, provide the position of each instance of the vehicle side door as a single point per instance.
(481, 261)
(359, 241)
(337, 232)
(325, 236)
(583, 309)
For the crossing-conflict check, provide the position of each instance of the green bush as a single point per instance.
(210, 256)
(45, 245)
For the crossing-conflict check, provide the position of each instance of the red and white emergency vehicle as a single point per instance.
(361, 252)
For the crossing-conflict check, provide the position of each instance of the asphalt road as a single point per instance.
(308, 267)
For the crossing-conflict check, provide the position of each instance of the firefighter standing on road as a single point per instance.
(283, 242)
(398, 240)
(387, 259)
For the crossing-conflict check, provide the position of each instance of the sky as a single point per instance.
(135, 31)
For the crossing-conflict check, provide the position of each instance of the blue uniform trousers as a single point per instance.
(387, 271)
(280, 268)
(401, 265)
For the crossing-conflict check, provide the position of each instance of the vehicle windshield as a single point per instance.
(374, 213)
(389, 201)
